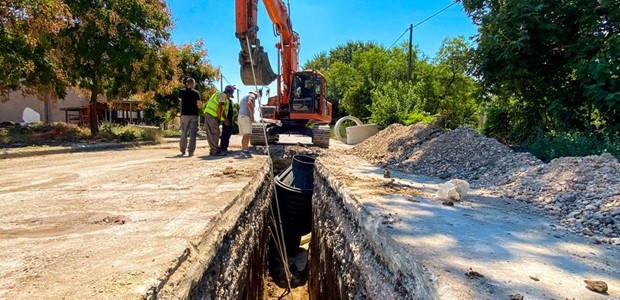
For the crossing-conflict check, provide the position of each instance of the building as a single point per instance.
(72, 109)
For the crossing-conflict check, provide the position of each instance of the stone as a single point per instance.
(586, 231)
(607, 231)
(598, 286)
(594, 240)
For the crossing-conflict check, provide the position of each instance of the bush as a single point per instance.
(41, 133)
(416, 117)
(128, 133)
(550, 146)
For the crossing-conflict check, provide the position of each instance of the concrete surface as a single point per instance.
(125, 224)
(424, 249)
(358, 134)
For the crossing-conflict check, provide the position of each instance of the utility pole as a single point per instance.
(221, 81)
(410, 54)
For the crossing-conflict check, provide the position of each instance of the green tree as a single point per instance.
(370, 82)
(179, 63)
(111, 47)
(27, 56)
(551, 65)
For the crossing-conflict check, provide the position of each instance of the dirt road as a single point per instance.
(107, 225)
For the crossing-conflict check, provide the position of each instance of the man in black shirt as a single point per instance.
(189, 98)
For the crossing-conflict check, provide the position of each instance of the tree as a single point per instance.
(348, 88)
(370, 82)
(111, 47)
(552, 65)
(27, 55)
(181, 62)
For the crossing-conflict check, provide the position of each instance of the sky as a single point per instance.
(321, 24)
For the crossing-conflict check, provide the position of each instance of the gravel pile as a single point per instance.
(583, 192)
(465, 154)
(395, 143)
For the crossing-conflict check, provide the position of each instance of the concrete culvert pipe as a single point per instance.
(339, 123)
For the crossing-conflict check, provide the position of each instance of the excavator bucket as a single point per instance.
(263, 73)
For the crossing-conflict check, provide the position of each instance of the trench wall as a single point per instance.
(349, 258)
(238, 270)
(230, 262)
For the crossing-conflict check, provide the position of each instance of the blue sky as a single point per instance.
(321, 24)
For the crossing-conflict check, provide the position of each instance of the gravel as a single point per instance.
(395, 143)
(583, 193)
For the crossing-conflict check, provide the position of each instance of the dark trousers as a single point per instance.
(225, 138)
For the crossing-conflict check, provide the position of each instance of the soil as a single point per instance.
(107, 225)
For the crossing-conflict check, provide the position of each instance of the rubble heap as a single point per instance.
(583, 192)
(463, 153)
(395, 143)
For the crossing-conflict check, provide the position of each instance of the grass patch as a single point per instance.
(41, 134)
(14, 134)
(171, 133)
(127, 133)
(550, 146)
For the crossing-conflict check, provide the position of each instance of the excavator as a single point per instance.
(300, 106)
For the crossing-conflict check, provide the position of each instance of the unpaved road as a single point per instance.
(107, 225)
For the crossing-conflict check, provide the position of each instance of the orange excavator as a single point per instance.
(300, 106)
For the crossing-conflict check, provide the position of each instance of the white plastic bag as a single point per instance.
(455, 189)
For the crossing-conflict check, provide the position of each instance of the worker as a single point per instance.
(245, 120)
(215, 116)
(226, 130)
(189, 99)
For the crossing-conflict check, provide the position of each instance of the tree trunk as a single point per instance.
(93, 115)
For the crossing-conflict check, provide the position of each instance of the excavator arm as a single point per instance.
(251, 49)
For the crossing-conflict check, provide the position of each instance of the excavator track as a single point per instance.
(320, 136)
(257, 138)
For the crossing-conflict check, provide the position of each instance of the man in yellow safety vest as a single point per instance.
(215, 114)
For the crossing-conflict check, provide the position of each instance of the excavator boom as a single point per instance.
(300, 106)
(251, 49)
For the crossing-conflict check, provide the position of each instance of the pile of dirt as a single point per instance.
(583, 192)
(463, 153)
(395, 143)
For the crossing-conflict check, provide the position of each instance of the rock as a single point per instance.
(516, 297)
(229, 171)
(535, 278)
(598, 286)
(447, 203)
(607, 231)
(615, 212)
(594, 240)
(586, 231)
(471, 274)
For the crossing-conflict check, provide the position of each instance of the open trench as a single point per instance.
(339, 265)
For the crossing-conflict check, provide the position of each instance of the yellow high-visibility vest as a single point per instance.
(211, 107)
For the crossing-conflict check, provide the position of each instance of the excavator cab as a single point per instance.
(305, 93)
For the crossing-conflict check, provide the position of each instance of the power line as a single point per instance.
(422, 22)
(398, 39)
(435, 14)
